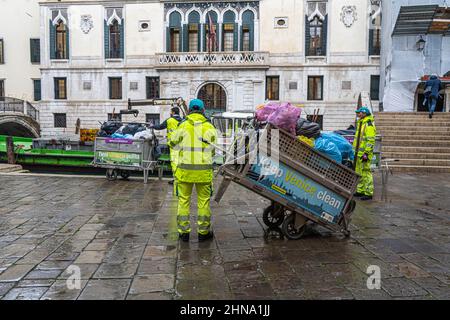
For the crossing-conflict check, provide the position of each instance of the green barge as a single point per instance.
(27, 155)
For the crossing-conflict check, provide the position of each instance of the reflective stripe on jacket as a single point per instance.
(193, 141)
(366, 137)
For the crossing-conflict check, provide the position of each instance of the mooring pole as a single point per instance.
(10, 150)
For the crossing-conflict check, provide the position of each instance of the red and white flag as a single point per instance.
(211, 35)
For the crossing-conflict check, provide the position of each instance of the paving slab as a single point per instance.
(122, 238)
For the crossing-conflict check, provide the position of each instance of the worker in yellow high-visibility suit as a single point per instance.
(365, 142)
(171, 125)
(194, 141)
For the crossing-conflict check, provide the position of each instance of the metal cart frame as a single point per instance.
(141, 148)
(303, 159)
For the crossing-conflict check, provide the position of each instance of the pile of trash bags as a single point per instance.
(116, 129)
(287, 117)
(283, 115)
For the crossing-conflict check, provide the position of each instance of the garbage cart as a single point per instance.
(302, 184)
(122, 156)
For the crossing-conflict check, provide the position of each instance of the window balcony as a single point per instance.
(241, 59)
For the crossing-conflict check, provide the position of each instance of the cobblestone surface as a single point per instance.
(123, 238)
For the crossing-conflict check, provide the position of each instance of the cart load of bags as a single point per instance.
(116, 129)
(287, 117)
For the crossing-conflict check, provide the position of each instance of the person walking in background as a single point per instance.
(432, 88)
(194, 141)
(364, 142)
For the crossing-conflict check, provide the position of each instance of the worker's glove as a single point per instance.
(365, 157)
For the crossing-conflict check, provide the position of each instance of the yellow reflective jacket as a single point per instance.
(366, 136)
(193, 142)
(172, 125)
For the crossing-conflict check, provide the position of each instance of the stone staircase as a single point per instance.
(418, 144)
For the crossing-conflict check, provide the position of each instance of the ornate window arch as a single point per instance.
(114, 34)
(193, 32)
(316, 25)
(230, 31)
(214, 96)
(174, 30)
(210, 42)
(59, 36)
(247, 31)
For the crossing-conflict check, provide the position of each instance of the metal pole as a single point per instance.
(10, 150)
(357, 145)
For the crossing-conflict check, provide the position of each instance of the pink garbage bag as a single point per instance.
(285, 117)
(263, 113)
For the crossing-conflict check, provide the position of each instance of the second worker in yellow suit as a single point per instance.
(194, 142)
(171, 125)
(365, 142)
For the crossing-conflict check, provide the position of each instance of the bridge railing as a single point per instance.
(20, 106)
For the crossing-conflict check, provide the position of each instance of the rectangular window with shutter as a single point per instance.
(115, 88)
(174, 40)
(315, 88)
(59, 120)
(228, 37)
(2, 52)
(37, 89)
(375, 87)
(152, 87)
(193, 37)
(60, 88)
(246, 39)
(35, 51)
(273, 88)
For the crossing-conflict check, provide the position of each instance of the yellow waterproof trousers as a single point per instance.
(365, 185)
(183, 192)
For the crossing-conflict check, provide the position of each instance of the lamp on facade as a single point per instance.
(420, 44)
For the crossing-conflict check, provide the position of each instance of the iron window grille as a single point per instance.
(60, 120)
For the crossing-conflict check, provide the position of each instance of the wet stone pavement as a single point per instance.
(122, 237)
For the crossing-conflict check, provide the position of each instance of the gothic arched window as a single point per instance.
(115, 36)
(61, 41)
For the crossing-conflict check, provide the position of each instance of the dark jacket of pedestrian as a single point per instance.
(434, 85)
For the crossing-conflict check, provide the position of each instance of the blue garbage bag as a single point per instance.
(342, 143)
(328, 148)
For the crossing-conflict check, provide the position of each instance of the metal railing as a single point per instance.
(214, 58)
(8, 104)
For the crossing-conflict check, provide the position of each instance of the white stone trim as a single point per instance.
(252, 10)
(203, 17)
(316, 13)
(113, 17)
(183, 18)
(236, 14)
(58, 18)
(190, 11)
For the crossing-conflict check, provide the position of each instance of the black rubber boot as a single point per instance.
(358, 194)
(204, 237)
(184, 237)
(365, 198)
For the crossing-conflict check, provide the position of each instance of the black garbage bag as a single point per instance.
(307, 128)
(133, 128)
(102, 133)
(109, 127)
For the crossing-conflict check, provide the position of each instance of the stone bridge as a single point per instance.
(18, 118)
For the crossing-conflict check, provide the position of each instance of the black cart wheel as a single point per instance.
(291, 231)
(125, 174)
(273, 215)
(111, 174)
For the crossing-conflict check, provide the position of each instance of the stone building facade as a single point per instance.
(97, 54)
